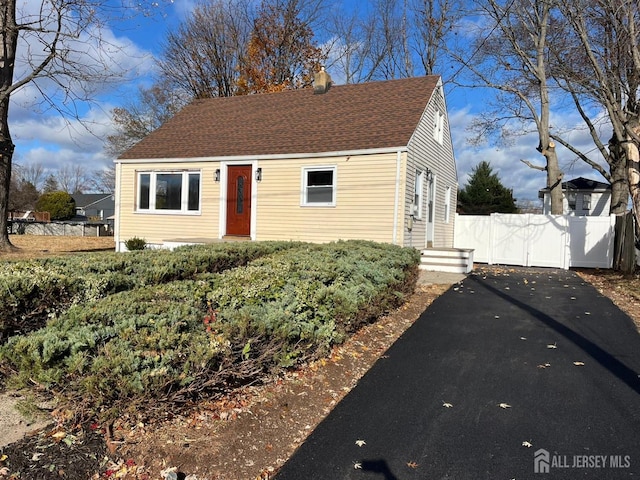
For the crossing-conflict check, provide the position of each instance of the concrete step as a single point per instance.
(447, 260)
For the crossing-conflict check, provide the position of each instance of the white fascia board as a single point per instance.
(345, 153)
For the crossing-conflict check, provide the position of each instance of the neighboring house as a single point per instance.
(367, 161)
(94, 206)
(581, 197)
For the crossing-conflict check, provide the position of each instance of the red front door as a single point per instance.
(239, 200)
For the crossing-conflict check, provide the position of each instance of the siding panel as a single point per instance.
(365, 198)
(155, 227)
(425, 152)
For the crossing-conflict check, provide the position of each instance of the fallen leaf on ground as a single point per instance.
(360, 443)
(527, 444)
(447, 405)
(412, 465)
(552, 345)
(504, 405)
(357, 466)
(170, 473)
(578, 364)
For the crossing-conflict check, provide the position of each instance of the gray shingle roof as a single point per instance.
(347, 117)
(580, 183)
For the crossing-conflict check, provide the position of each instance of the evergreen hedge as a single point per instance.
(32, 292)
(171, 343)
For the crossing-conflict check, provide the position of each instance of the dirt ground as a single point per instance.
(249, 434)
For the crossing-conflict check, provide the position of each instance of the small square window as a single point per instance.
(319, 186)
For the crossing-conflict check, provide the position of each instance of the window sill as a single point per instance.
(194, 213)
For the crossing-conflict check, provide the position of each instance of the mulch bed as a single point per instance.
(56, 454)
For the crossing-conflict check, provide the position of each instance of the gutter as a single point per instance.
(280, 156)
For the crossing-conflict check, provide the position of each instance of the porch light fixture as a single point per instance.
(429, 175)
(258, 174)
(216, 177)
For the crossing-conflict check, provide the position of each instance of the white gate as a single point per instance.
(559, 241)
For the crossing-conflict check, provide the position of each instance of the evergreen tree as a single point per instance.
(484, 194)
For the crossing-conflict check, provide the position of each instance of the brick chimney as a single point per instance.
(321, 82)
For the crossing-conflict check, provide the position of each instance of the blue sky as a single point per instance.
(48, 139)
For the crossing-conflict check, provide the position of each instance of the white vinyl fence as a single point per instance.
(559, 241)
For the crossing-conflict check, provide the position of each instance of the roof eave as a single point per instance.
(282, 156)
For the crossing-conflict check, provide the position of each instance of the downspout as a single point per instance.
(116, 206)
(396, 205)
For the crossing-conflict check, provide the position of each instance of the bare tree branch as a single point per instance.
(531, 165)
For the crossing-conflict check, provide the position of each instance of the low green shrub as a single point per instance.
(135, 243)
(312, 297)
(31, 292)
(176, 341)
(122, 349)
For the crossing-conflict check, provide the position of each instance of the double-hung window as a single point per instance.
(169, 192)
(418, 195)
(319, 186)
(571, 200)
(447, 205)
(438, 127)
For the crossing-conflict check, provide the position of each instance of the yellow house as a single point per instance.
(367, 161)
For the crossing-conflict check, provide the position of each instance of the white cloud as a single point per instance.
(53, 159)
(41, 133)
(506, 160)
(183, 8)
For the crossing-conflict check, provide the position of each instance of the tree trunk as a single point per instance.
(618, 173)
(6, 155)
(632, 154)
(9, 38)
(554, 178)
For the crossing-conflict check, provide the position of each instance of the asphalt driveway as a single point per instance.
(502, 368)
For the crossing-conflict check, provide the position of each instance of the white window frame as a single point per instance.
(184, 200)
(447, 205)
(418, 195)
(304, 200)
(438, 127)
